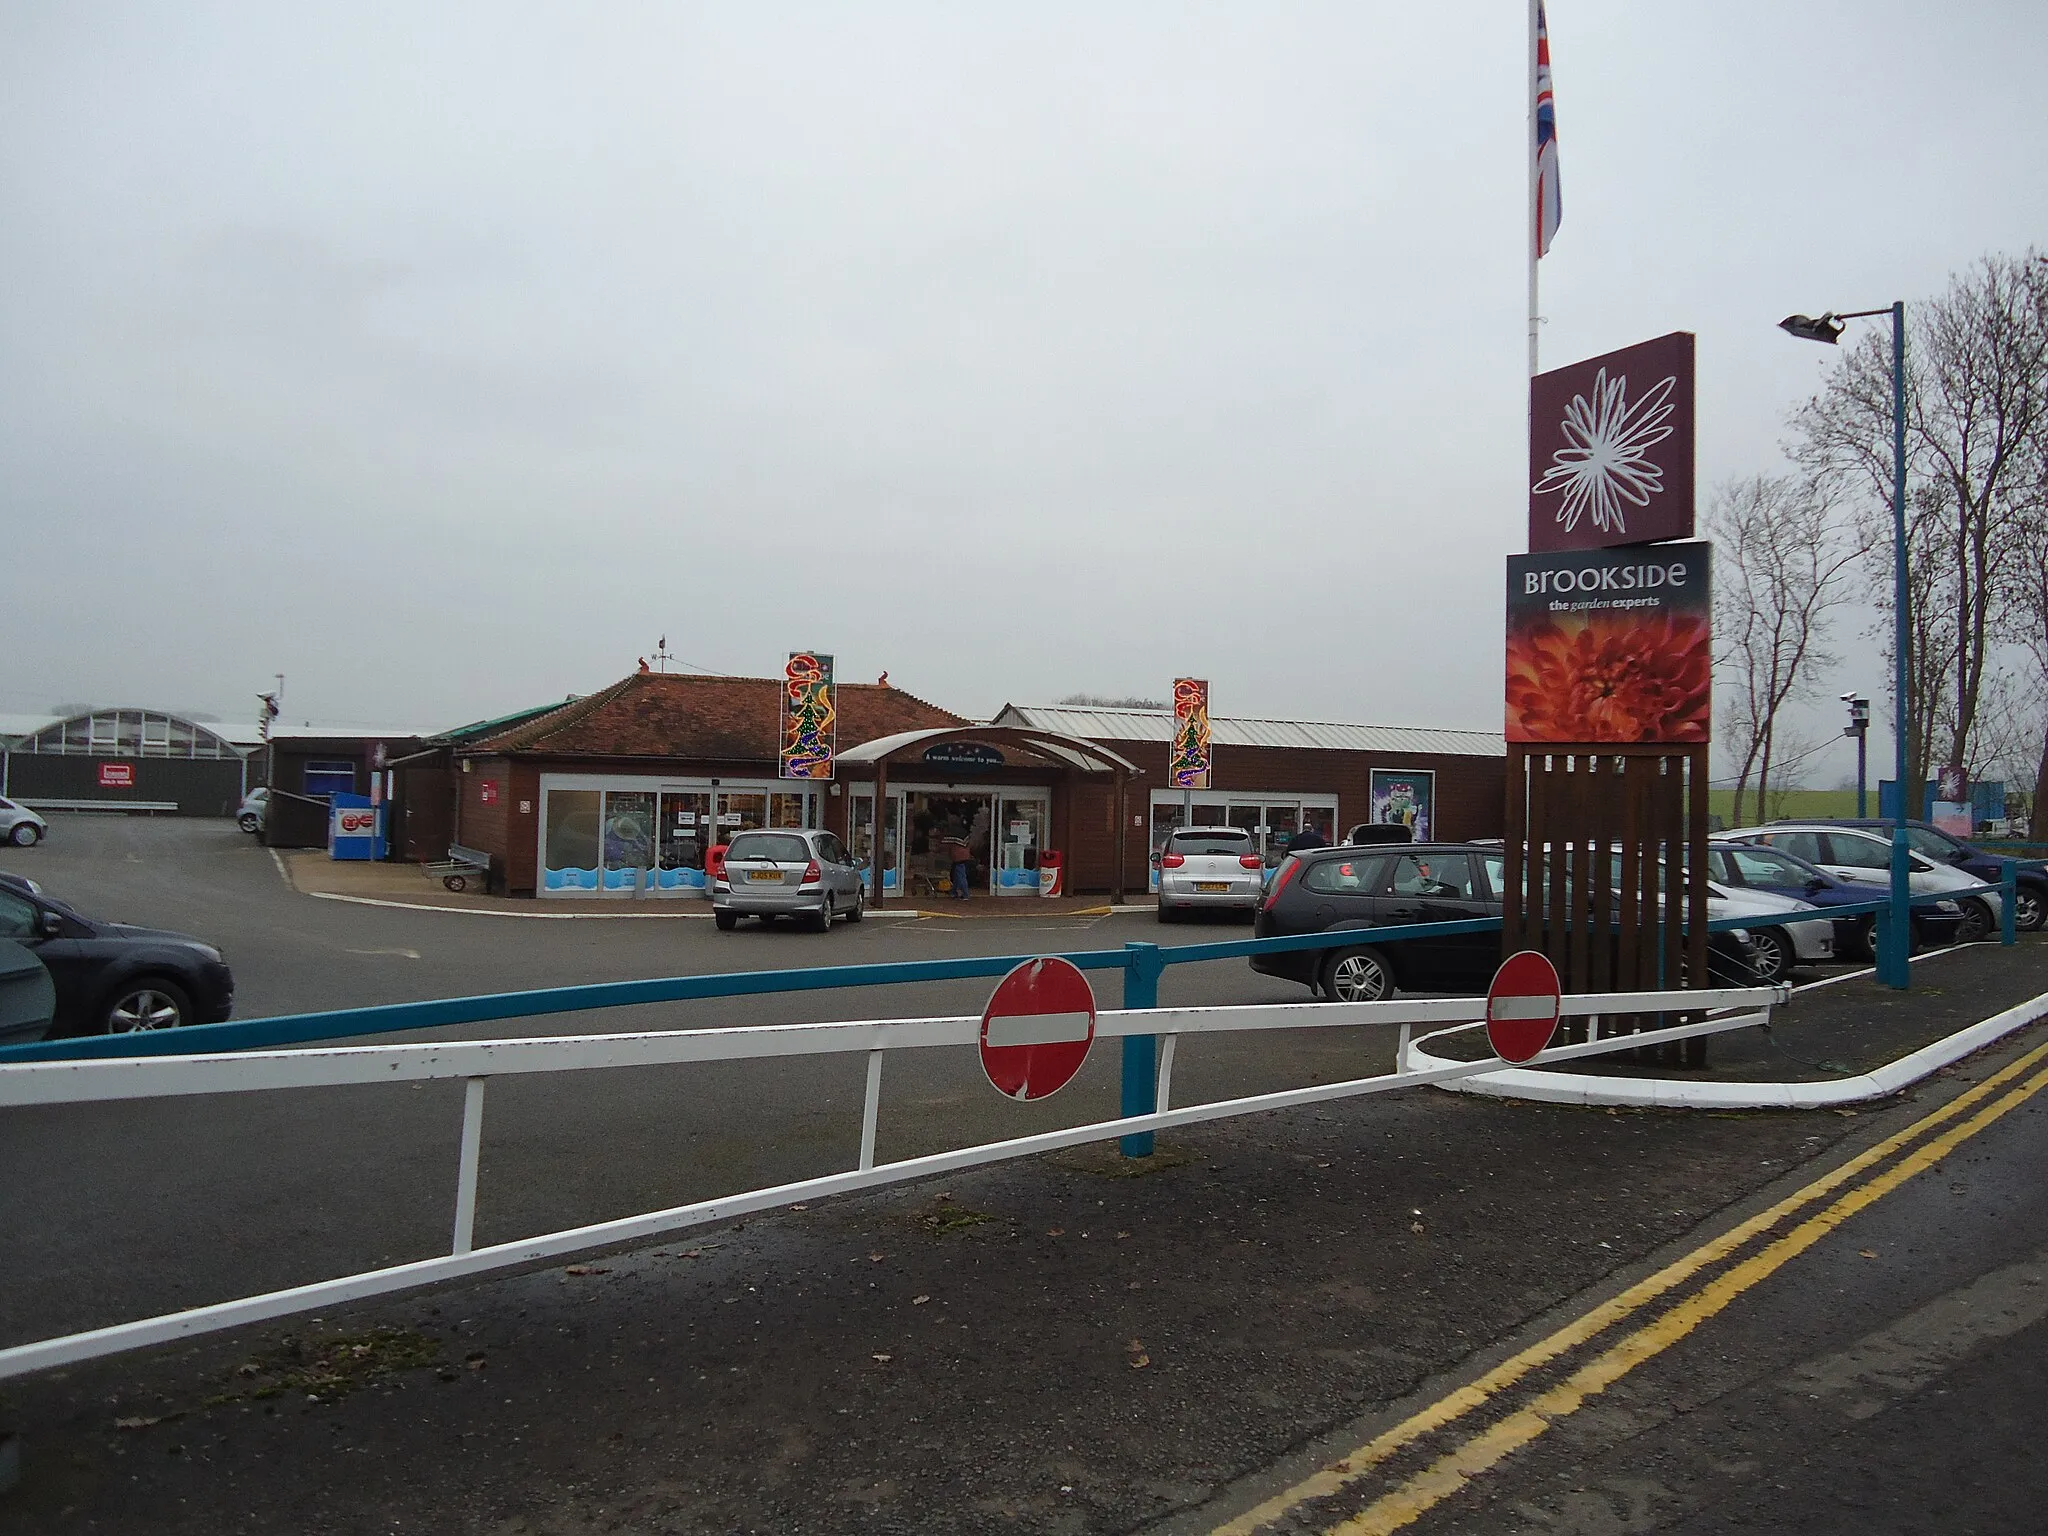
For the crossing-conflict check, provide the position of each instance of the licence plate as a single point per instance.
(765, 874)
(1212, 887)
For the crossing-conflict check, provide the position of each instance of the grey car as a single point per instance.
(19, 825)
(771, 874)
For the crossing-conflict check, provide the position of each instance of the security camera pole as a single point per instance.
(1892, 957)
(1859, 727)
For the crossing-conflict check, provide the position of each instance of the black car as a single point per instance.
(2030, 908)
(112, 978)
(1330, 889)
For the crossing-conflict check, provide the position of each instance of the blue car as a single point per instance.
(2030, 907)
(1754, 867)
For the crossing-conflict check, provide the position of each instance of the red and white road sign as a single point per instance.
(1522, 1006)
(1037, 1028)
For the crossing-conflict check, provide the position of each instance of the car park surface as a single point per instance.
(1298, 1269)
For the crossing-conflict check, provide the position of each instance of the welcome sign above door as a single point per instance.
(963, 757)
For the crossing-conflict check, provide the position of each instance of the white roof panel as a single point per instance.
(1233, 731)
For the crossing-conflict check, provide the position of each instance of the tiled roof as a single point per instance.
(670, 714)
(1227, 731)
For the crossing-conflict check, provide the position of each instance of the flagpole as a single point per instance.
(1532, 230)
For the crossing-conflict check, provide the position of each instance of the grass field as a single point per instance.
(1788, 802)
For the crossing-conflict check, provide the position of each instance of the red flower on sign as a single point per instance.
(1612, 678)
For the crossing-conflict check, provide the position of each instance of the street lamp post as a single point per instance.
(1892, 956)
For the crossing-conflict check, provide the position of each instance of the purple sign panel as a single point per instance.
(1610, 448)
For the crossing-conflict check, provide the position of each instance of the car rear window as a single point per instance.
(1345, 877)
(1235, 844)
(777, 848)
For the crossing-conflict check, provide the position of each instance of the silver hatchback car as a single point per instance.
(19, 825)
(1209, 867)
(788, 874)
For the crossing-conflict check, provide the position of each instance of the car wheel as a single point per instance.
(1866, 942)
(2028, 911)
(1977, 921)
(1167, 914)
(859, 909)
(25, 835)
(247, 821)
(822, 922)
(148, 1003)
(1773, 956)
(726, 921)
(1357, 976)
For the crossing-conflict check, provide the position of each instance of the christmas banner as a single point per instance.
(810, 717)
(1189, 762)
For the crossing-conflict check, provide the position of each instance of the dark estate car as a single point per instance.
(112, 978)
(1753, 866)
(1363, 888)
(2030, 909)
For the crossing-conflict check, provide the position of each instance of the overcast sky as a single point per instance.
(444, 357)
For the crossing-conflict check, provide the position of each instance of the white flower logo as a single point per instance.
(1606, 466)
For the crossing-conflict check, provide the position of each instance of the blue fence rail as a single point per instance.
(1142, 965)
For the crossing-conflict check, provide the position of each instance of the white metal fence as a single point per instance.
(475, 1062)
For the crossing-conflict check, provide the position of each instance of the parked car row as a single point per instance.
(1759, 871)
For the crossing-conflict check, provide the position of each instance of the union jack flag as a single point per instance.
(1549, 210)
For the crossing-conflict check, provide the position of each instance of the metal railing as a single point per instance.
(475, 1062)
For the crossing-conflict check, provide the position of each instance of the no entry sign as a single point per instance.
(1522, 1006)
(1037, 1028)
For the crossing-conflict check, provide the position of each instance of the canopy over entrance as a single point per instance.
(1073, 754)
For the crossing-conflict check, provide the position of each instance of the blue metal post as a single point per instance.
(2009, 895)
(1142, 966)
(1893, 968)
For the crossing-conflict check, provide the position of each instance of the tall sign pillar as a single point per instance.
(1609, 679)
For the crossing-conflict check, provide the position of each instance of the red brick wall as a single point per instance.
(481, 826)
(1471, 798)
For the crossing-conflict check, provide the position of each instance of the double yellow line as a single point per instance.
(1450, 1472)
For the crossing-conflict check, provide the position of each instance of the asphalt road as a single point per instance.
(212, 1198)
(1875, 1360)
(1412, 1312)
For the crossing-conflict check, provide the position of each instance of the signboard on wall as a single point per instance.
(1404, 797)
(117, 775)
(810, 717)
(964, 757)
(1611, 645)
(1611, 448)
(1191, 758)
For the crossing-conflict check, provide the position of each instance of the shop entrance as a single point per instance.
(941, 822)
(1272, 821)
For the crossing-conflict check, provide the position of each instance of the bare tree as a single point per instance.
(2027, 608)
(1976, 406)
(1783, 561)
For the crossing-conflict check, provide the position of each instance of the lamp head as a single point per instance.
(1826, 328)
